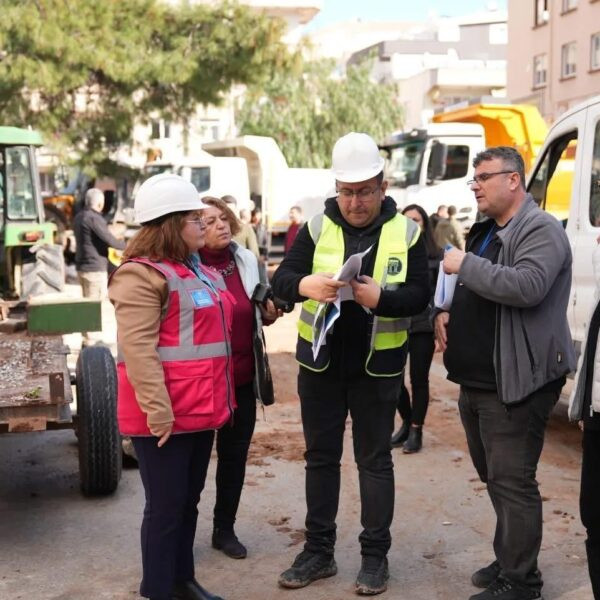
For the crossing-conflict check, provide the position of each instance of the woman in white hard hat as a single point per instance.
(174, 368)
(239, 268)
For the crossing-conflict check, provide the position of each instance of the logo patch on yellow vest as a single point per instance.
(394, 266)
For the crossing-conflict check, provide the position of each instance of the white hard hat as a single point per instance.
(355, 157)
(164, 194)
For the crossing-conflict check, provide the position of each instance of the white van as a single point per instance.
(565, 181)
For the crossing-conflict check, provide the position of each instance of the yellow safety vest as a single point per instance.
(388, 335)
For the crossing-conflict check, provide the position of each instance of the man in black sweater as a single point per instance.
(359, 367)
(93, 239)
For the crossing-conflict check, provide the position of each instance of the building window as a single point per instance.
(568, 5)
(540, 70)
(568, 60)
(542, 15)
(595, 52)
(155, 129)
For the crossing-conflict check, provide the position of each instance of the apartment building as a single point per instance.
(443, 62)
(553, 58)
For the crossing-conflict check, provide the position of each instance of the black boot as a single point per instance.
(415, 440)
(593, 556)
(192, 590)
(226, 541)
(401, 435)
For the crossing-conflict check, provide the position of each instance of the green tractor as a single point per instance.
(36, 392)
(30, 262)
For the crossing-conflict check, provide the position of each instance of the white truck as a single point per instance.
(212, 176)
(274, 186)
(431, 166)
(565, 180)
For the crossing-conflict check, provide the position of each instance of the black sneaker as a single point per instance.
(504, 589)
(373, 576)
(486, 576)
(306, 568)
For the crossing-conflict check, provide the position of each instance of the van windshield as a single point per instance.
(404, 163)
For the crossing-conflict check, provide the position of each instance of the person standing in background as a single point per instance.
(245, 237)
(420, 348)
(93, 239)
(450, 231)
(296, 222)
(440, 214)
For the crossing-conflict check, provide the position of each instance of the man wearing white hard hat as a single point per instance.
(174, 319)
(358, 370)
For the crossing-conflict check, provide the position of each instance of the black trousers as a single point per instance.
(420, 348)
(325, 402)
(505, 445)
(173, 478)
(233, 442)
(589, 503)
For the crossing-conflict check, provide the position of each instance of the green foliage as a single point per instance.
(83, 71)
(306, 114)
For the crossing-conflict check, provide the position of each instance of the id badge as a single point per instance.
(201, 298)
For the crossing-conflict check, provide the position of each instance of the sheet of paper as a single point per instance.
(328, 313)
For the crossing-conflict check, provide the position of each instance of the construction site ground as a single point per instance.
(56, 544)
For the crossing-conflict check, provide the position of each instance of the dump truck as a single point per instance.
(275, 186)
(36, 392)
(431, 166)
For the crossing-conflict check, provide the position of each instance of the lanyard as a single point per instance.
(195, 265)
(487, 239)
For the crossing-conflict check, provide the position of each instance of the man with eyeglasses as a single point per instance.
(358, 370)
(506, 341)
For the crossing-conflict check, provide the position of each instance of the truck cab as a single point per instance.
(431, 166)
(565, 181)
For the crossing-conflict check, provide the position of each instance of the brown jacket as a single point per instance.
(139, 294)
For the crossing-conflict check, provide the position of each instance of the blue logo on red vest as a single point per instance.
(201, 298)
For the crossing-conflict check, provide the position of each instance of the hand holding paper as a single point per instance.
(321, 287)
(452, 260)
(366, 291)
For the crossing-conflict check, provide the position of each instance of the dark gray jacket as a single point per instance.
(93, 239)
(531, 284)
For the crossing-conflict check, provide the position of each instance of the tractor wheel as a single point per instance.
(43, 272)
(99, 440)
(56, 216)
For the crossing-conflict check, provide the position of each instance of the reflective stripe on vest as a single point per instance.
(397, 236)
(186, 349)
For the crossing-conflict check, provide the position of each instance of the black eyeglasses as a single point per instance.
(483, 177)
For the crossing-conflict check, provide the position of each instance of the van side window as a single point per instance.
(595, 183)
(552, 183)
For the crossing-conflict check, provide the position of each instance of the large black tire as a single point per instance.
(56, 216)
(43, 272)
(100, 460)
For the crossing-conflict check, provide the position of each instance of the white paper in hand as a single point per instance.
(327, 314)
(444, 290)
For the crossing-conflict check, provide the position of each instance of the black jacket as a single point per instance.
(351, 334)
(93, 241)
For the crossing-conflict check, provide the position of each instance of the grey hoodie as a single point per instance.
(530, 283)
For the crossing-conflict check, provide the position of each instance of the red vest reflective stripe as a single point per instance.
(195, 351)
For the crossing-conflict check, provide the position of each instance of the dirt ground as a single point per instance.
(57, 545)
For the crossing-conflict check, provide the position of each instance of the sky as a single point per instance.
(395, 10)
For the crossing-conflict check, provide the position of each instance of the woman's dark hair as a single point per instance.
(432, 249)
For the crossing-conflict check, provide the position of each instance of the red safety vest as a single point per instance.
(195, 350)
